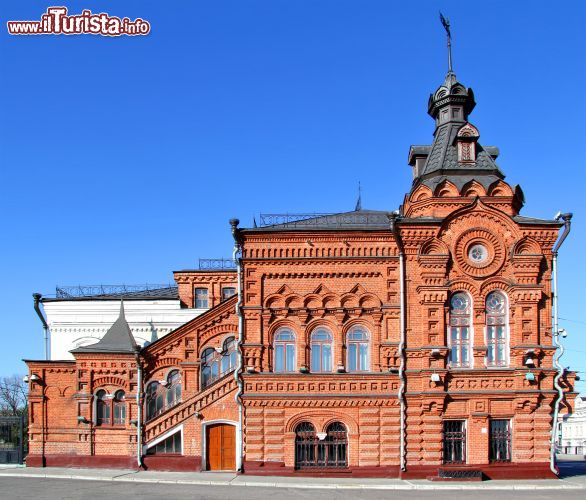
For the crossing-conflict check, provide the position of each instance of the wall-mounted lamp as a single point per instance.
(435, 377)
(341, 369)
(562, 332)
(529, 362)
(25, 379)
(250, 369)
(304, 369)
(198, 415)
(82, 420)
(34, 377)
(435, 352)
(530, 377)
(134, 422)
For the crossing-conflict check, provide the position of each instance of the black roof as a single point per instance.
(118, 338)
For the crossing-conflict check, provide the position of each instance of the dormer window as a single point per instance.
(466, 141)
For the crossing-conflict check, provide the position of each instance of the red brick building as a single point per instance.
(367, 343)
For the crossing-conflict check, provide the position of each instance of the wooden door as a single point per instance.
(221, 447)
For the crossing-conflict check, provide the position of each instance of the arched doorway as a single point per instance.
(220, 447)
(321, 450)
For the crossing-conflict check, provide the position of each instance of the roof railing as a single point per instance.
(70, 292)
(212, 264)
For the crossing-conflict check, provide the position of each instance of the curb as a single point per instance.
(324, 486)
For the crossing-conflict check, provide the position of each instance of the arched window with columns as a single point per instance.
(284, 350)
(497, 335)
(321, 350)
(460, 330)
(357, 348)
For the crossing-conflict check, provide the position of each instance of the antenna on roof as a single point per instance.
(446, 25)
(359, 200)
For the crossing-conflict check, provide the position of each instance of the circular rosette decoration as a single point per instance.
(479, 253)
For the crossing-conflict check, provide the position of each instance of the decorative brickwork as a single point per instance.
(313, 376)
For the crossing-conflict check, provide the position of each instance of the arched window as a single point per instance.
(102, 408)
(325, 450)
(119, 406)
(496, 329)
(459, 330)
(284, 345)
(155, 402)
(216, 363)
(173, 388)
(321, 350)
(229, 355)
(357, 349)
(336, 445)
(306, 442)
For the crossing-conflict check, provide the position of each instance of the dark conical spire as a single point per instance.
(118, 338)
(455, 153)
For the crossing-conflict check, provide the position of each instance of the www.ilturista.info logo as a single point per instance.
(56, 22)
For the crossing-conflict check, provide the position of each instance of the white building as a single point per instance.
(76, 321)
(572, 433)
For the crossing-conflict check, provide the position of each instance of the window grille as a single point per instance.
(500, 440)
(454, 441)
(313, 452)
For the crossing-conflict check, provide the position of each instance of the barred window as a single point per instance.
(500, 440)
(496, 329)
(454, 441)
(459, 330)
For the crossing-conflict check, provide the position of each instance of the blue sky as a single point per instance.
(122, 159)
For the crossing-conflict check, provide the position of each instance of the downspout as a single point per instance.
(138, 409)
(401, 395)
(237, 374)
(567, 218)
(37, 298)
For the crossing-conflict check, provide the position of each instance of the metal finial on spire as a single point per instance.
(359, 200)
(446, 25)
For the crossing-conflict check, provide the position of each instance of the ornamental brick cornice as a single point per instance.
(248, 401)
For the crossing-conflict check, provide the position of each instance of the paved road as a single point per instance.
(57, 489)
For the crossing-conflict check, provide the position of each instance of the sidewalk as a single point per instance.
(232, 479)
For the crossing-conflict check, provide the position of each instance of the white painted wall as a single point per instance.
(76, 323)
(573, 427)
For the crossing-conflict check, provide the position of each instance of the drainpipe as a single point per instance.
(403, 407)
(237, 374)
(567, 218)
(37, 300)
(138, 409)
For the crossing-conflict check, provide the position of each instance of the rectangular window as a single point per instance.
(454, 438)
(171, 445)
(201, 298)
(459, 346)
(500, 440)
(228, 292)
(496, 339)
